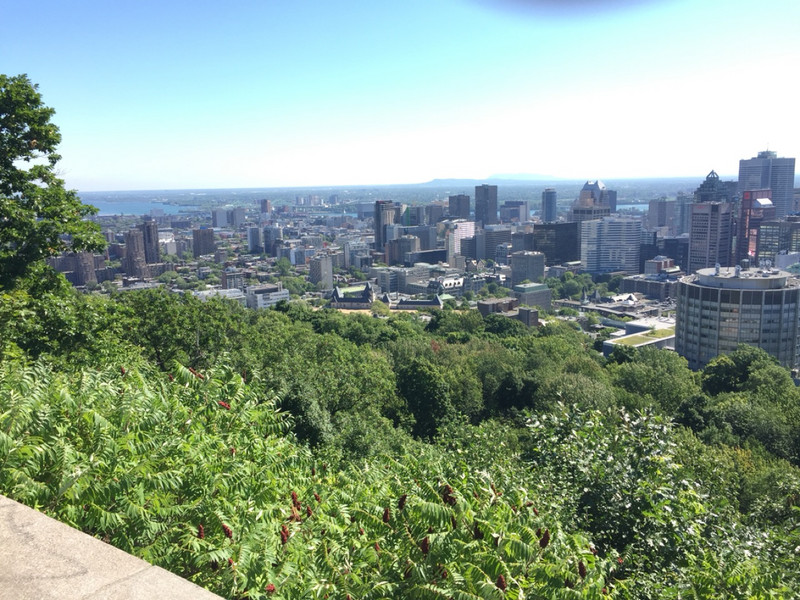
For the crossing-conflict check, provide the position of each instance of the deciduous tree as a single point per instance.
(38, 216)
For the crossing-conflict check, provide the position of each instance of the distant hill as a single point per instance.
(544, 180)
(524, 177)
(494, 180)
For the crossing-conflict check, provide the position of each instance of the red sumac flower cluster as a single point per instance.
(284, 535)
(501, 582)
(447, 496)
(545, 539)
(425, 545)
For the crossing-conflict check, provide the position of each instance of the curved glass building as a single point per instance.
(719, 309)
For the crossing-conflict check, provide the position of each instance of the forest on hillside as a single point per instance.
(301, 453)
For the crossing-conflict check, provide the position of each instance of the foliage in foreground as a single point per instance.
(143, 458)
(196, 472)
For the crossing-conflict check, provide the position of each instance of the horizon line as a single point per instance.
(531, 181)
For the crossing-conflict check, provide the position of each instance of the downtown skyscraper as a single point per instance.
(386, 213)
(486, 204)
(711, 225)
(458, 206)
(549, 211)
(768, 172)
(611, 244)
(150, 235)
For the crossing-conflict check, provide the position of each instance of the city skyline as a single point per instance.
(182, 95)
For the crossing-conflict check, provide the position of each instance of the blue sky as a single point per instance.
(178, 94)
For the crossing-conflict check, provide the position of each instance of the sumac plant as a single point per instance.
(144, 461)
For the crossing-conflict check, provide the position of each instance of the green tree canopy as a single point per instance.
(283, 266)
(36, 212)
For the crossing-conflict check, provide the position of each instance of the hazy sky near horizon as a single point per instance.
(260, 93)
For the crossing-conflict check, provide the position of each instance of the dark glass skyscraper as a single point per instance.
(549, 205)
(486, 204)
(775, 237)
(150, 233)
(560, 242)
(458, 206)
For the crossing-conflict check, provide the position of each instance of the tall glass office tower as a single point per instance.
(768, 172)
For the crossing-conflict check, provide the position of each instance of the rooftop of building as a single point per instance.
(490, 301)
(666, 274)
(529, 287)
(652, 323)
(646, 338)
(233, 293)
(743, 278)
(596, 185)
(264, 288)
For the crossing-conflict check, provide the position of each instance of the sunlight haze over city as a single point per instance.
(179, 94)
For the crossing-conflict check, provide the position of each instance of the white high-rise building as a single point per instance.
(456, 230)
(611, 244)
(219, 217)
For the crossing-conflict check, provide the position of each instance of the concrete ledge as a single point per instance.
(42, 559)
